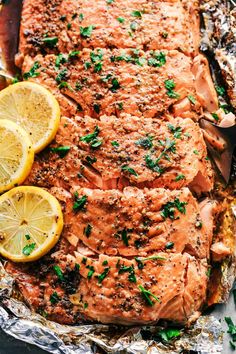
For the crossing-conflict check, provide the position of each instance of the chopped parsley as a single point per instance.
(73, 54)
(104, 274)
(86, 32)
(91, 159)
(27, 237)
(175, 130)
(195, 152)
(81, 17)
(110, 2)
(168, 210)
(231, 331)
(157, 60)
(28, 249)
(92, 139)
(115, 143)
(131, 171)
(136, 13)
(61, 75)
(169, 146)
(88, 230)
(169, 245)
(104, 263)
(60, 59)
(164, 34)
(192, 99)
(32, 72)
(115, 85)
(215, 116)
(121, 19)
(170, 86)
(145, 143)
(96, 58)
(220, 90)
(54, 298)
(90, 272)
(85, 305)
(131, 277)
(123, 235)
(179, 177)
(79, 203)
(97, 108)
(58, 272)
(62, 151)
(68, 26)
(168, 333)
(50, 42)
(147, 296)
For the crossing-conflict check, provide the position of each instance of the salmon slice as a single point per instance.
(63, 26)
(114, 81)
(137, 222)
(115, 152)
(117, 290)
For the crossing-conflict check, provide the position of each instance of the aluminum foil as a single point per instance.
(206, 335)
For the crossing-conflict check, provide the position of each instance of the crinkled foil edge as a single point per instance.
(206, 335)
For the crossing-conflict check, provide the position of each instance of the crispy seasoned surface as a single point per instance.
(130, 292)
(101, 81)
(115, 152)
(137, 222)
(76, 24)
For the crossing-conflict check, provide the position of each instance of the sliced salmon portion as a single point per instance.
(112, 82)
(115, 152)
(76, 24)
(137, 222)
(117, 290)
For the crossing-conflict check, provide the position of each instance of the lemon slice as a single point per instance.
(31, 222)
(34, 108)
(16, 155)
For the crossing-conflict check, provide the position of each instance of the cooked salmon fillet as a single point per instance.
(137, 222)
(127, 151)
(140, 83)
(129, 164)
(66, 25)
(114, 289)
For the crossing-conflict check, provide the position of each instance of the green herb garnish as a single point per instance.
(179, 177)
(88, 230)
(170, 86)
(147, 295)
(54, 298)
(91, 271)
(168, 209)
(62, 151)
(104, 274)
(79, 202)
(50, 42)
(28, 249)
(86, 32)
(131, 171)
(145, 143)
(32, 72)
(58, 272)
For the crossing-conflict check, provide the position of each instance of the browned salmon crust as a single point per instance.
(127, 151)
(141, 24)
(139, 83)
(173, 288)
(137, 222)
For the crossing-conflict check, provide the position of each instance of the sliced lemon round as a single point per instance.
(31, 222)
(34, 108)
(16, 155)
